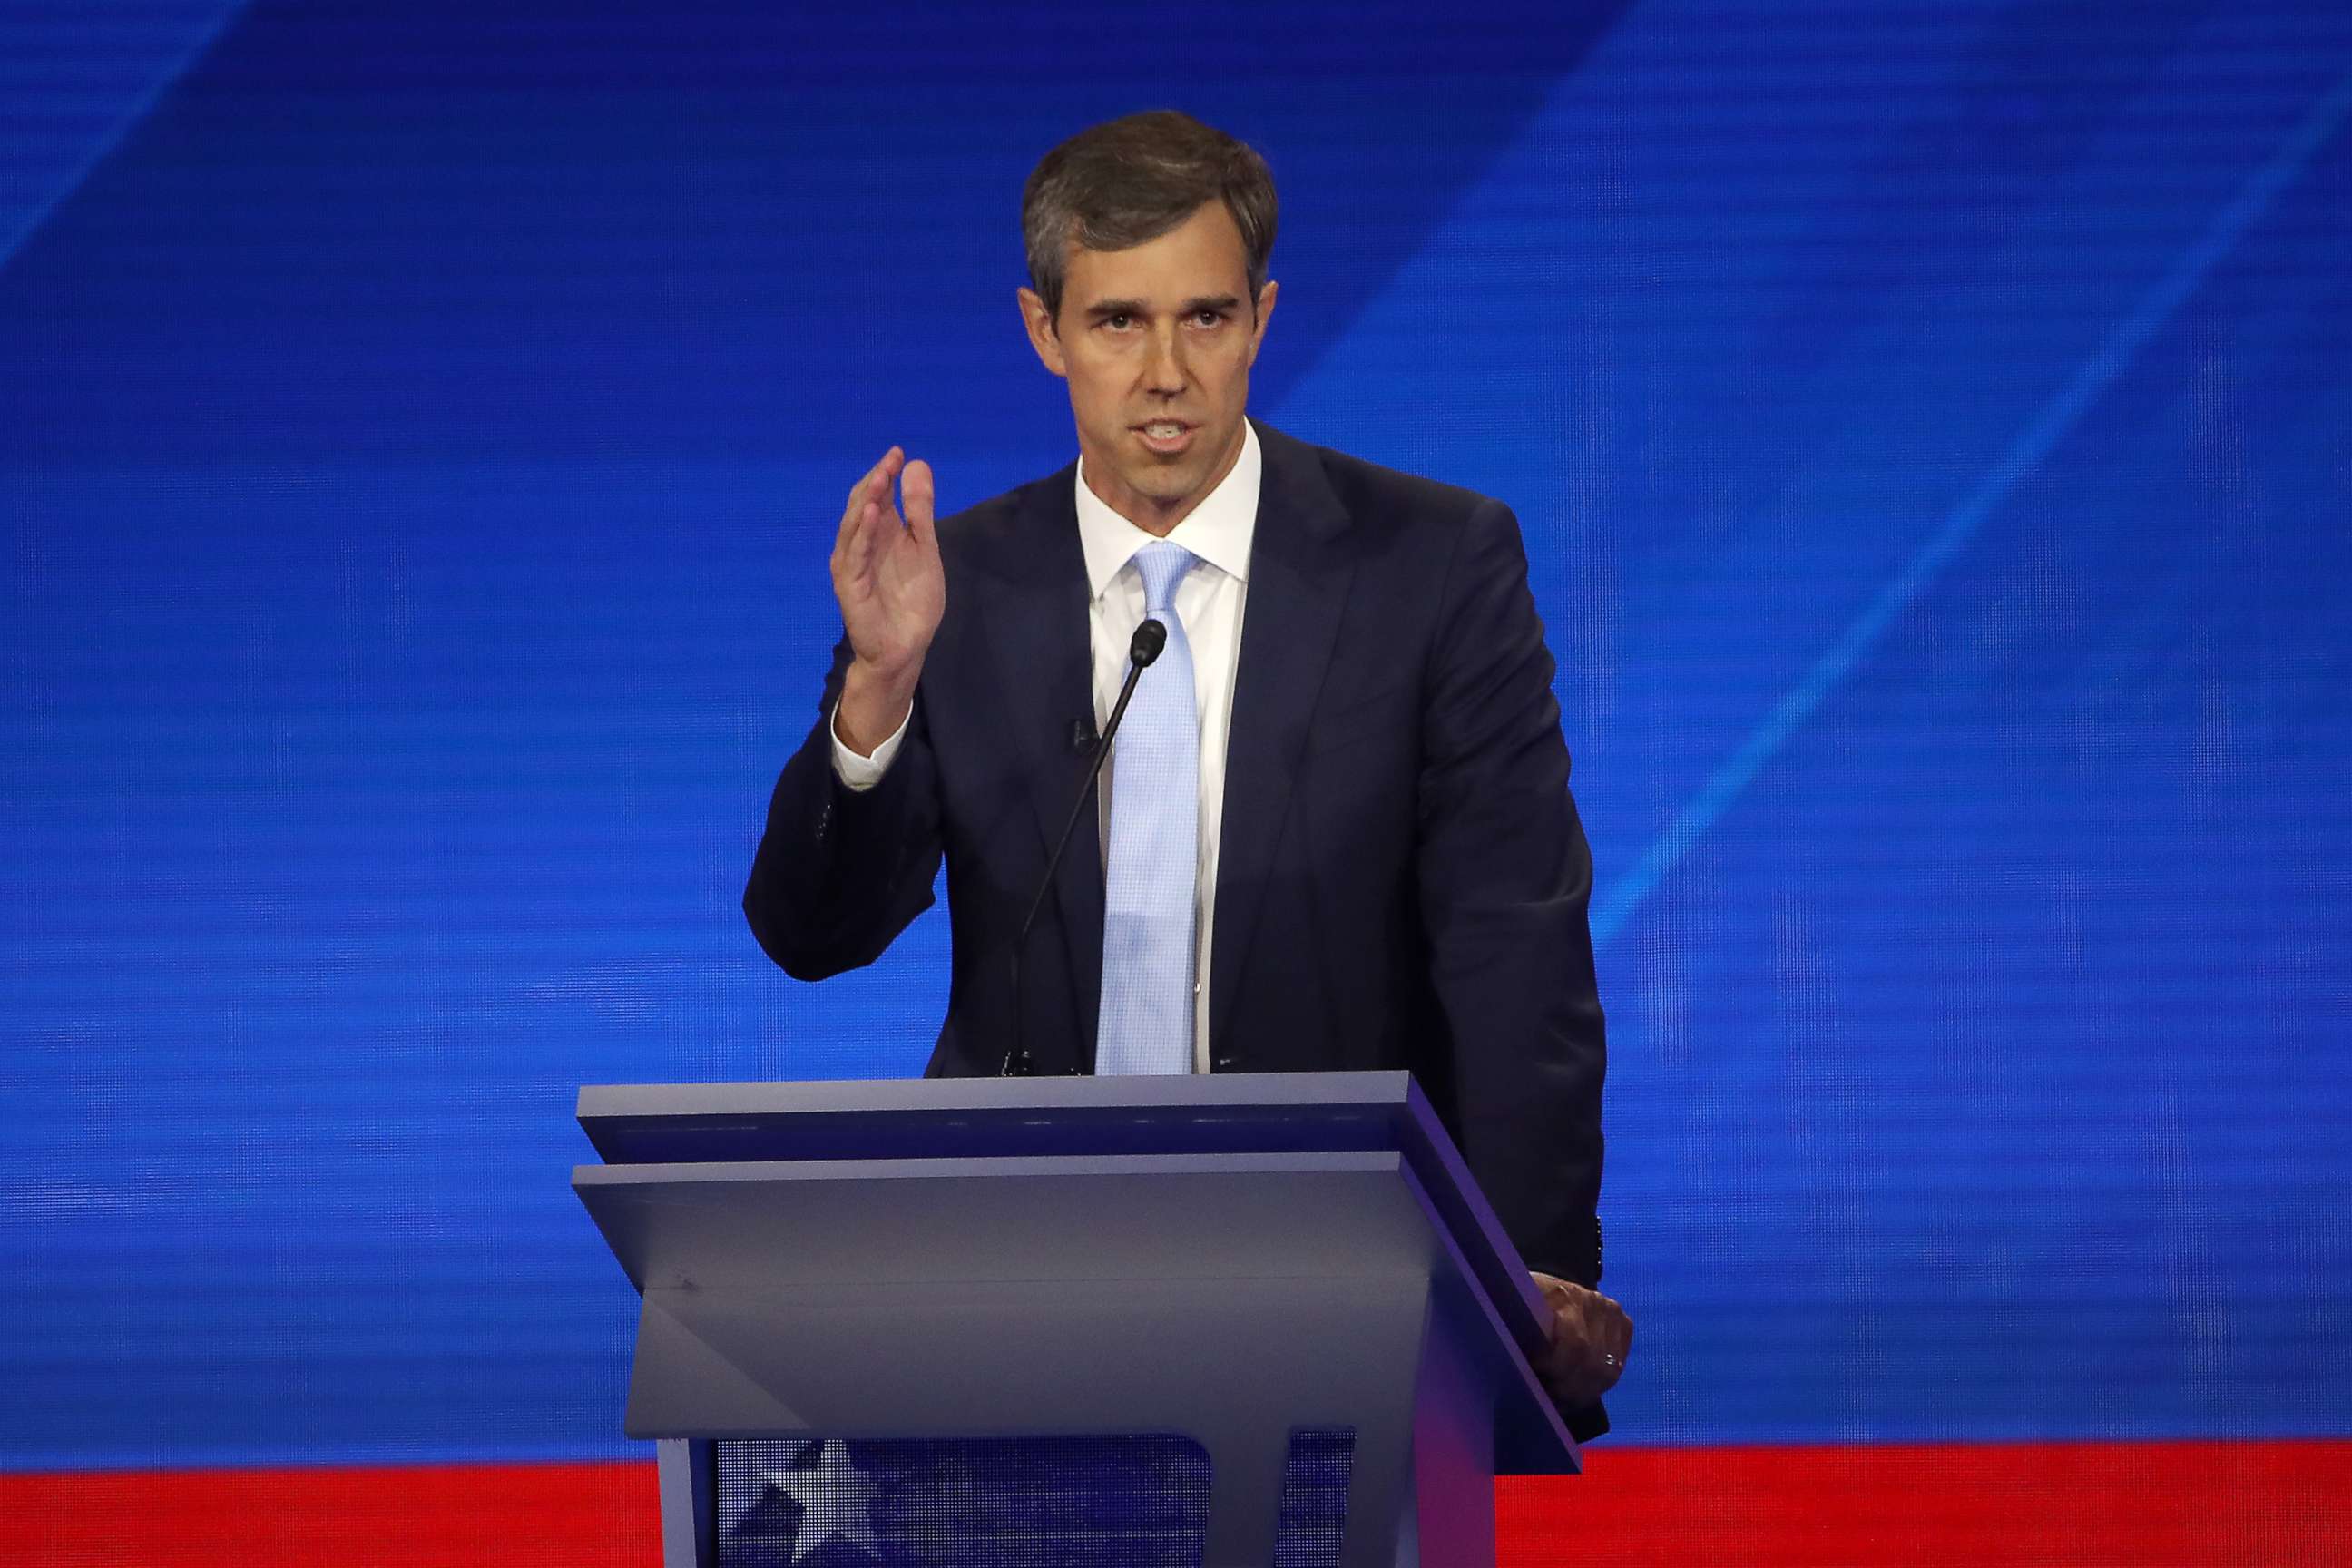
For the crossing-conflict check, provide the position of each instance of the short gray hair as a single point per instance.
(1127, 181)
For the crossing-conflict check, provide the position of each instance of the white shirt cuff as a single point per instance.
(864, 773)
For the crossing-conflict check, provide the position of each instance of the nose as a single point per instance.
(1163, 370)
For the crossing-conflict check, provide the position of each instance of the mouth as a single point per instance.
(1165, 437)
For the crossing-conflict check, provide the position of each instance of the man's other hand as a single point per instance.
(892, 591)
(1591, 1337)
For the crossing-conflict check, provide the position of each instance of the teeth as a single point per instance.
(1163, 432)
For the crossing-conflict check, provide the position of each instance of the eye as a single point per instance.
(1208, 317)
(1118, 320)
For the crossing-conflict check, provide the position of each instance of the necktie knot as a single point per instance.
(1163, 566)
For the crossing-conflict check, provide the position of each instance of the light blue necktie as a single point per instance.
(1146, 1026)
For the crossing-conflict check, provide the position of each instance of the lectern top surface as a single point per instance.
(933, 1118)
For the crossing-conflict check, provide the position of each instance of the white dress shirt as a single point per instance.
(1209, 601)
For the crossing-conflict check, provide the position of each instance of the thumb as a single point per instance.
(915, 491)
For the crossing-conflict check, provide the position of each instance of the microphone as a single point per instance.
(1150, 640)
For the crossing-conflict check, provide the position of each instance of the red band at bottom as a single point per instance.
(2284, 1502)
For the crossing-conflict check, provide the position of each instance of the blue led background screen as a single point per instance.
(422, 430)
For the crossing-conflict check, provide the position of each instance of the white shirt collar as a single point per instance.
(1218, 530)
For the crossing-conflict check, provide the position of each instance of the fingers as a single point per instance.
(853, 543)
(1615, 1339)
(1591, 1335)
(1612, 1330)
(872, 484)
(872, 487)
(917, 494)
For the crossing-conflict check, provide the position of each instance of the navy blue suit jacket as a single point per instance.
(1401, 878)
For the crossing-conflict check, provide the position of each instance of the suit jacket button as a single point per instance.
(1226, 1063)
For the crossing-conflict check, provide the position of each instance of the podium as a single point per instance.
(1222, 1263)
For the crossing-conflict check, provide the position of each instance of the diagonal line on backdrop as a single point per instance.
(12, 243)
(1276, 378)
(1621, 899)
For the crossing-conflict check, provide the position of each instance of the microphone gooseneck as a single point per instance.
(1151, 639)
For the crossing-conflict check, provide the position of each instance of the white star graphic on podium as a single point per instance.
(836, 1498)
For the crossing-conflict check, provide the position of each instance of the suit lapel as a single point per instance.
(1037, 628)
(1299, 575)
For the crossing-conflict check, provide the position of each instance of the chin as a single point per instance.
(1166, 483)
(1173, 490)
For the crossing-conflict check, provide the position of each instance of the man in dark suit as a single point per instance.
(1339, 832)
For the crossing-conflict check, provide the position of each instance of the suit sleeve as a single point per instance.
(839, 872)
(1506, 876)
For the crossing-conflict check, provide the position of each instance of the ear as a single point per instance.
(1264, 314)
(1043, 335)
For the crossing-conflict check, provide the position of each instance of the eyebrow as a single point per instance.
(1104, 307)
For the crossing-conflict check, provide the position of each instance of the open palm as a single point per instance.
(885, 569)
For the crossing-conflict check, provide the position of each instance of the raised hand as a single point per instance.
(887, 579)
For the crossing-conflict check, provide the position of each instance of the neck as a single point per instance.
(1155, 516)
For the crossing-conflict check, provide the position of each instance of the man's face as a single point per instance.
(1157, 343)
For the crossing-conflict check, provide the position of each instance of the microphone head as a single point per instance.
(1150, 637)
